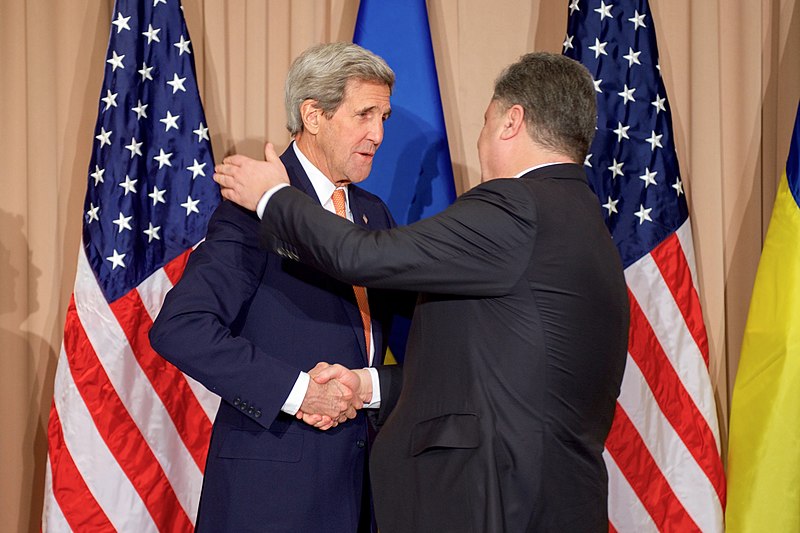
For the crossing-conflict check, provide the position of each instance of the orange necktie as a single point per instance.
(361, 293)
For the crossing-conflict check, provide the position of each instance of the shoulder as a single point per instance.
(228, 217)
(370, 203)
(364, 196)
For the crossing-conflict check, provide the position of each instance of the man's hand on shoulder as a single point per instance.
(244, 180)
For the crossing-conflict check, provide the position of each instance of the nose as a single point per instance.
(375, 133)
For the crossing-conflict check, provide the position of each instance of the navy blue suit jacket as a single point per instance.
(244, 322)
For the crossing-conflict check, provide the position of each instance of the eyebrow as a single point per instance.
(373, 108)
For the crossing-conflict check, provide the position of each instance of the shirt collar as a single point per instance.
(537, 166)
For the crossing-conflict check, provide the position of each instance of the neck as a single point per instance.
(533, 156)
(307, 144)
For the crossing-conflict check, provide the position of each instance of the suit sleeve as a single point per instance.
(479, 246)
(193, 328)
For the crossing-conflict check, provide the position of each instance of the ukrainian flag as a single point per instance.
(412, 171)
(764, 445)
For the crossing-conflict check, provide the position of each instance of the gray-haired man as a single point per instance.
(247, 323)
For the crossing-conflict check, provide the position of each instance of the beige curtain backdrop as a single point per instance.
(732, 70)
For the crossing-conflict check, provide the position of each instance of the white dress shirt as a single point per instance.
(324, 189)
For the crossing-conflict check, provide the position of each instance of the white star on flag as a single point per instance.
(163, 158)
(116, 260)
(170, 121)
(638, 20)
(196, 169)
(599, 48)
(145, 71)
(643, 214)
(621, 131)
(152, 232)
(627, 94)
(604, 10)
(183, 46)
(110, 99)
(123, 222)
(157, 195)
(654, 140)
(121, 23)
(190, 206)
(104, 137)
(616, 168)
(659, 104)
(140, 110)
(92, 213)
(632, 57)
(177, 84)
(678, 186)
(98, 175)
(129, 185)
(201, 132)
(649, 178)
(134, 147)
(611, 205)
(116, 61)
(152, 34)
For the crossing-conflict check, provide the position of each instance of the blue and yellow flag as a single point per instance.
(412, 171)
(764, 448)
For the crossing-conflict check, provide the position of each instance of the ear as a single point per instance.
(310, 113)
(513, 122)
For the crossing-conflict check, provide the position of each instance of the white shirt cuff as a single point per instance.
(262, 205)
(295, 399)
(376, 389)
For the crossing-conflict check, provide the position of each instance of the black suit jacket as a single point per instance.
(244, 322)
(515, 355)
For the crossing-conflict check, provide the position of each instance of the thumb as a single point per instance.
(269, 153)
(327, 374)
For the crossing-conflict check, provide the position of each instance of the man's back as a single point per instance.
(508, 399)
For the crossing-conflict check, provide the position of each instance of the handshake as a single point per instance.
(334, 394)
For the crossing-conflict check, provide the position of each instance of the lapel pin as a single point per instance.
(365, 219)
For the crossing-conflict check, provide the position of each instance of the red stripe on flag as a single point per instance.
(73, 496)
(673, 400)
(174, 269)
(644, 476)
(611, 528)
(674, 268)
(118, 430)
(169, 383)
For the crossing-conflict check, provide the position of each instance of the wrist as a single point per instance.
(365, 385)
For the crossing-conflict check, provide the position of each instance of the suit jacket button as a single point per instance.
(237, 401)
(243, 406)
(360, 443)
(251, 411)
(257, 414)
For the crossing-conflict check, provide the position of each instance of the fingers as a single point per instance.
(329, 372)
(235, 160)
(319, 367)
(269, 153)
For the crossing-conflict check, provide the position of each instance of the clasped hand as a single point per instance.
(334, 395)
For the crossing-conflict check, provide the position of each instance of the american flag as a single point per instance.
(128, 433)
(663, 452)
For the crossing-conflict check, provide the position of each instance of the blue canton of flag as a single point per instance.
(631, 165)
(150, 191)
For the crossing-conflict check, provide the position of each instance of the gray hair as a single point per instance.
(321, 73)
(558, 96)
